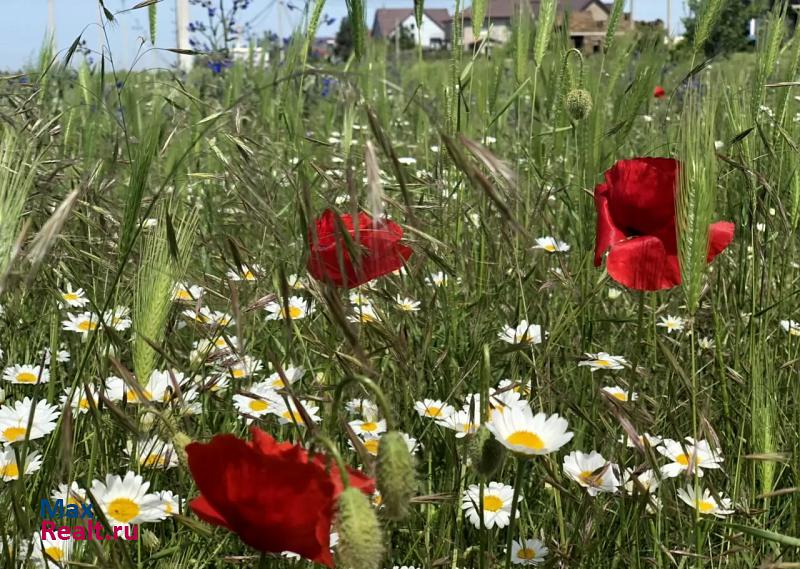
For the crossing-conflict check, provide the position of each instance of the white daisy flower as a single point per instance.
(80, 401)
(364, 314)
(297, 308)
(614, 293)
(523, 333)
(126, 500)
(368, 428)
(364, 407)
(437, 279)
(529, 552)
(407, 160)
(407, 304)
(652, 440)
(487, 140)
(170, 503)
(522, 432)
(296, 282)
(699, 454)
(185, 292)
(288, 413)
(372, 443)
(621, 394)
(260, 400)
(74, 298)
(434, 149)
(291, 374)
(705, 343)
(460, 422)
(591, 471)
(26, 374)
(50, 553)
(222, 319)
(433, 408)
(14, 420)
(62, 356)
(160, 387)
(82, 323)
(152, 453)
(497, 498)
(524, 389)
(245, 367)
(358, 298)
(245, 273)
(647, 480)
(603, 360)
(791, 327)
(705, 503)
(202, 316)
(672, 323)
(551, 245)
(72, 494)
(117, 318)
(9, 469)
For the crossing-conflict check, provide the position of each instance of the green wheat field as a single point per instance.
(156, 230)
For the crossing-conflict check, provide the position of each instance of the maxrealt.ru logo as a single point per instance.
(83, 515)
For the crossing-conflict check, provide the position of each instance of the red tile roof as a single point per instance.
(387, 19)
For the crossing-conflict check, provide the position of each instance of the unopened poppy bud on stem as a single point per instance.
(578, 103)
(395, 475)
(360, 542)
(486, 453)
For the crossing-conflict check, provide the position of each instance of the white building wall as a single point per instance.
(430, 34)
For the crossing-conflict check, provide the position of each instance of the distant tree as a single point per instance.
(344, 39)
(731, 32)
(407, 39)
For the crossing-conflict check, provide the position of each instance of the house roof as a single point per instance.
(506, 9)
(387, 19)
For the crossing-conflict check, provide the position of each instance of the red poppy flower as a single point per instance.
(272, 495)
(379, 242)
(659, 92)
(636, 221)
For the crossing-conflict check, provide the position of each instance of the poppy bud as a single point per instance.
(360, 544)
(578, 104)
(179, 441)
(150, 540)
(395, 475)
(486, 453)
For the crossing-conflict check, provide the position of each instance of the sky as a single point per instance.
(24, 25)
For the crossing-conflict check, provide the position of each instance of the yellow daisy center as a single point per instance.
(249, 276)
(168, 508)
(705, 506)
(55, 553)
(589, 478)
(238, 372)
(278, 384)
(73, 500)
(602, 363)
(294, 312)
(682, 459)
(70, 296)
(293, 416)
(84, 403)
(468, 427)
(550, 248)
(433, 411)
(26, 377)
(526, 553)
(184, 294)
(258, 405)
(154, 460)
(123, 509)
(86, 325)
(794, 331)
(10, 471)
(492, 503)
(621, 395)
(369, 427)
(12, 434)
(133, 398)
(372, 445)
(526, 439)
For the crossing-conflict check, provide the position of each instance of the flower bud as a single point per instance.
(578, 103)
(180, 440)
(360, 542)
(395, 475)
(150, 540)
(486, 453)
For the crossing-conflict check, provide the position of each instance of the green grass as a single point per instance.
(235, 167)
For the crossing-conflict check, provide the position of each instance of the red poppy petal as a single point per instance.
(642, 263)
(607, 233)
(206, 512)
(641, 194)
(720, 235)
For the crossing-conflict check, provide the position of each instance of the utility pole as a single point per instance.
(669, 18)
(182, 29)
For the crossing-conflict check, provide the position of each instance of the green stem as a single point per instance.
(511, 523)
(370, 385)
(333, 452)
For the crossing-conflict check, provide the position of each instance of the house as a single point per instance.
(432, 33)
(587, 19)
